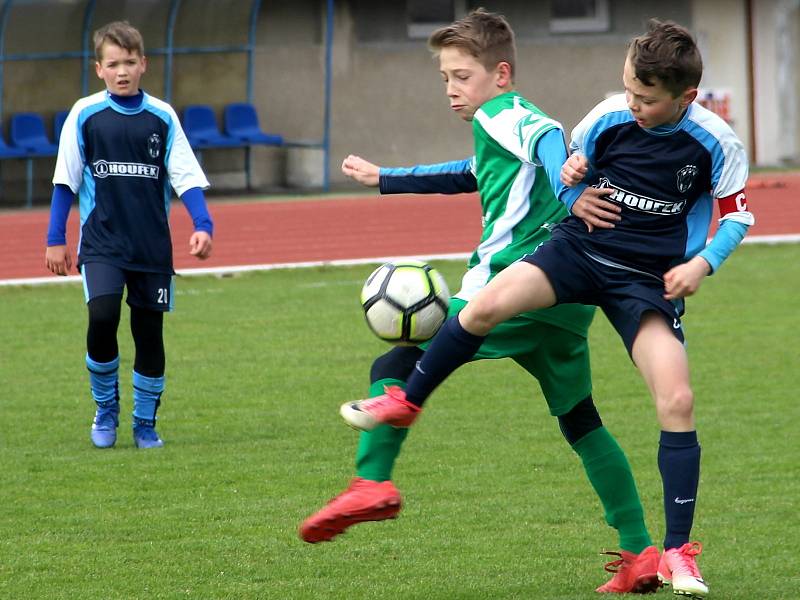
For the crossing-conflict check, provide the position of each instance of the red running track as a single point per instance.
(269, 232)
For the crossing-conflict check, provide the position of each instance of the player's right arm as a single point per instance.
(57, 256)
(453, 177)
(66, 181)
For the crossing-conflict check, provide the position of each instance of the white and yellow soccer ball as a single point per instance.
(405, 302)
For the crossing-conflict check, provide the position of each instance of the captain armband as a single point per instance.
(734, 208)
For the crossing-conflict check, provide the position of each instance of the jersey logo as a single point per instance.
(528, 124)
(154, 145)
(103, 169)
(686, 177)
(641, 203)
(548, 226)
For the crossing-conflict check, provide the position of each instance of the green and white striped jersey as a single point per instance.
(518, 204)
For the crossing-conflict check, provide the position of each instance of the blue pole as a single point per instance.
(251, 47)
(326, 141)
(87, 48)
(173, 15)
(3, 22)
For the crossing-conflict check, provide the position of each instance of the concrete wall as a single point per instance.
(721, 30)
(389, 101)
(388, 98)
(776, 25)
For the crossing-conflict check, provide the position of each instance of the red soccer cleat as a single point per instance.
(391, 408)
(633, 573)
(363, 500)
(678, 568)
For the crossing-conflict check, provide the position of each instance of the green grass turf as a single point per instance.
(497, 505)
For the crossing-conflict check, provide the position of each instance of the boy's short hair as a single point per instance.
(119, 33)
(486, 36)
(669, 53)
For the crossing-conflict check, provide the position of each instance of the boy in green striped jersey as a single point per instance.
(519, 152)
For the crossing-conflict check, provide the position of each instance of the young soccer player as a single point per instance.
(120, 151)
(519, 153)
(662, 160)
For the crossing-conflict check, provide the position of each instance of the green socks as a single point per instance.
(611, 477)
(604, 461)
(379, 448)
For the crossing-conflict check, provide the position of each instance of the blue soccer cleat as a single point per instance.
(144, 434)
(104, 427)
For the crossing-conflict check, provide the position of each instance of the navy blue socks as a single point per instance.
(679, 463)
(451, 347)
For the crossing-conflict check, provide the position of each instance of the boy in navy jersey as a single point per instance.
(121, 151)
(661, 160)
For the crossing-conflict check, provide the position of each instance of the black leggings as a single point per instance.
(146, 329)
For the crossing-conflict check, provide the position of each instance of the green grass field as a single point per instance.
(496, 504)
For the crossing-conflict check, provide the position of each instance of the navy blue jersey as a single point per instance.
(123, 163)
(664, 179)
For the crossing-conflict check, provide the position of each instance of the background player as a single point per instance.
(121, 150)
(662, 160)
(515, 169)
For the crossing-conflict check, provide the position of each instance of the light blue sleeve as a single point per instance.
(551, 151)
(728, 236)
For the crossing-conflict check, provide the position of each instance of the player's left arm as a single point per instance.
(200, 243)
(735, 220)
(685, 279)
(188, 180)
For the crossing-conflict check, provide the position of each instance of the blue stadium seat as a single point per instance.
(7, 151)
(200, 126)
(27, 133)
(241, 122)
(58, 124)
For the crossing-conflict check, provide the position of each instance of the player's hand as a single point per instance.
(361, 170)
(58, 259)
(685, 279)
(574, 169)
(594, 210)
(200, 245)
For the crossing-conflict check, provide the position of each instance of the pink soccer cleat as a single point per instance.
(363, 500)
(391, 408)
(678, 568)
(633, 573)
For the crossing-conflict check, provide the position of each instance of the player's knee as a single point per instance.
(398, 363)
(677, 404)
(104, 311)
(478, 316)
(580, 421)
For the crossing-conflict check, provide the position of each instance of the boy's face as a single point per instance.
(468, 84)
(653, 105)
(120, 69)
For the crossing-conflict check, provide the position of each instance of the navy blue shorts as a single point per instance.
(152, 291)
(622, 294)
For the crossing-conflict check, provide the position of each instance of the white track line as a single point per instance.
(223, 271)
(231, 270)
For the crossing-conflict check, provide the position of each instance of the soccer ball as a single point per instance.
(405, 302)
